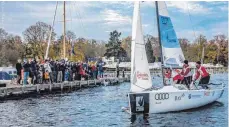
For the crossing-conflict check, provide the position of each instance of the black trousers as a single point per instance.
(187, 81)
(117, 74)
(205, 80)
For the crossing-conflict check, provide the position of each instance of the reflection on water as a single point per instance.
(101, 106)
(140, 119)
(143, 119)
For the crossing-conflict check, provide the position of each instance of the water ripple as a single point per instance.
(101, 107)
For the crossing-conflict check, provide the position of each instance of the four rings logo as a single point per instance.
(161, 96)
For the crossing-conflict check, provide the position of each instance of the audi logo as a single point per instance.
(161, 96)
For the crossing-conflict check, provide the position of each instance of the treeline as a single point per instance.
(35, 42)
(212, 51)
(36, 37)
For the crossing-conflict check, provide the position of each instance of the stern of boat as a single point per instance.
(139, 102)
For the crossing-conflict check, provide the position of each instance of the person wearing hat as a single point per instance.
(201, 73)
(186, 73)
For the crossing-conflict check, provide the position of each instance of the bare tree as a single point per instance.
(38, 33)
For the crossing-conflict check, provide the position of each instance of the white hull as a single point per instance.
(170, 99)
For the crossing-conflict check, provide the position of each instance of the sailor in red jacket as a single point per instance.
(186, 74)
(201, 73)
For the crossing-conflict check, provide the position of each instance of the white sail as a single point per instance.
(171, 50)
(140, 74)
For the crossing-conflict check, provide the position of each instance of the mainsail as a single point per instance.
(140, 74)
(171, 50)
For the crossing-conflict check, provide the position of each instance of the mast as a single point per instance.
(159, 37)
(64, 33)
(50, 34)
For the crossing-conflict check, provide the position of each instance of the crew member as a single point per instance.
(186, 73)
(168, 75)
(201, 73)
(178, 77)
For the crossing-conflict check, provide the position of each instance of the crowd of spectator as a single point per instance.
(56, 71)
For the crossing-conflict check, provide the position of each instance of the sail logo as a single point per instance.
(142, 76)
(164, 20)
(171, 40)
(178, 98)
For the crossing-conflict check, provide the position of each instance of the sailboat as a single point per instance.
(142, 97)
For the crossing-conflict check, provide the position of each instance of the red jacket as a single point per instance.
(201, 71)
(168, 74)
(93, 68)
(185, 70)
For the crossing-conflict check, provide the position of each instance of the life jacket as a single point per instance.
(176, 75)
(168, 74)
(203, 72)
(186, 74)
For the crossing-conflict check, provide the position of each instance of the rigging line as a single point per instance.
(100, 26)
(70, 41)
(51, 30)
(191, 21)
(77, 16)
(70, 17)
(80, 18)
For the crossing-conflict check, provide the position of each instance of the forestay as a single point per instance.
(140, 74)
(171, 50)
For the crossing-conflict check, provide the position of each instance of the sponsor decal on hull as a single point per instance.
(206, 93)
(190, 96)
(161, 96)
(158, 103)
(139, 103)
(178, 98)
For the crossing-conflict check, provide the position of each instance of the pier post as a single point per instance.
(38, 91)
(22, 89)
(5, 92)
(61, 86)
(50, 87)
(80, 84)
(71, 85)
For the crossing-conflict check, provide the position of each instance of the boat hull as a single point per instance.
(167, 100)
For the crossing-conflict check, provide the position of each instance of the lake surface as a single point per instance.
(101, 107)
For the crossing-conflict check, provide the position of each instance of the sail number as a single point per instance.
(161, 96)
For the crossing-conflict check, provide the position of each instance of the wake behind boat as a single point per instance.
(176, 97)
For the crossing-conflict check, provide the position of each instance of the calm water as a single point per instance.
(101, 106)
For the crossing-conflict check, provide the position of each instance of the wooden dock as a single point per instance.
(23, 91)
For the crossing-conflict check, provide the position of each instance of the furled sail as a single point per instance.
(171, 49)
(140, 74)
